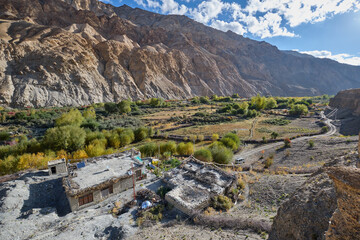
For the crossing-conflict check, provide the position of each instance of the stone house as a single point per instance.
(57, 167)
(101, 178)
(195, 183)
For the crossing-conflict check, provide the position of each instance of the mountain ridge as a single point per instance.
(76, 52)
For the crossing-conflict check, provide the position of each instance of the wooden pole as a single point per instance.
(133, 178)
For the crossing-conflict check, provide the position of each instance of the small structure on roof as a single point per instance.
(101, 177)
(194, 183)
(57, 167)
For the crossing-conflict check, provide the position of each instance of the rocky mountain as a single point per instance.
(75, 52)
(347, 100)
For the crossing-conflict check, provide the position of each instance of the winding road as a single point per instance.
(247, 154)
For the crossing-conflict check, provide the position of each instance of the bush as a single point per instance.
(221, 154)
(169, 147)
(203, 154)
(324, 129)
(149, 150)
(234, 137)
(269, 161)
(298, 110)
(311, 144)
(70, 138)
(274, 135)
(222, 202)
(185, 148)
(141, 134)
(111, 107)
(89, 113)
(124, 106)
(4, 136)
(229, 143)
(287, 143)
(215, 137)
(73, 117)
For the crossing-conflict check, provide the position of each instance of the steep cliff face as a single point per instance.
(345, 223)
(73, 52)
(347, 99)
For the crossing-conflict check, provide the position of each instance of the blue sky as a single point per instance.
(323, 28)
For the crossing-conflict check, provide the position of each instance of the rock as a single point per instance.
(307, 212)
(94, 52)
(345, 222)
(347, 99)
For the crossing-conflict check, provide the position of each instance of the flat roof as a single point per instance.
(102, 170)
(55, 162)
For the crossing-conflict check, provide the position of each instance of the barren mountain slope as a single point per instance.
(74, 52)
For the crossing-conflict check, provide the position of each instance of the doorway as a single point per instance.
(53, 170)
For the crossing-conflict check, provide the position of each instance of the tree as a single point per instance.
(274, 135)
(193, 138)
(73, 117)
(70, 138)
(185, 148)
(124, 106)
(234, 137)
(200, 138)
(156, 102)
(111, 107)
(271, 103)
(298, 110)
(141, 133)
(148, 150)
(89, 113)
(221, 154)
(79, 154)
(287, 143)
(215, 137)
(169, 147)
(311, 144)
(96, 148)
(20, 115)
(258, 102)
(229, 143)
(4, 136)
(91, 124)
(203, 154)
(204, 100)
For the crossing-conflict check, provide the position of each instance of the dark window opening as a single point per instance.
(53, 170)
(86, 199)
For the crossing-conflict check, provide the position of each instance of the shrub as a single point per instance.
(311, 144)
(124, 106)
(234, 137)
(169, 147)
(298, 110)
(229, 143)
(73, 117)
(111, 107)
(274, 135)
(215, 137)
(148, 150)
(162, 191)
(200, 138)
(324, 129)
(185, 148)
(203, 154)
(89, 113)
(141, 133)
(270, 103)
(4, 136)
(70, 138)
(269, 161)
(287, 142)
(221, 154)
(222, 202)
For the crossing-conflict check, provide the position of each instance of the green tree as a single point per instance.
(20, 115)
(271, 103)
(215, 137)
(169, 147)
(141, 133)
(89, 113)
(4, 136)
(203, 154)
(258, 102)
(148, 150)
(124, 106)
(229, 143)
(111, 107)
(73, 117)
(185, 148)
(156, 102)
(234, 137)
(298, 110)
(70, 138)
(221, 154)
(204, 100)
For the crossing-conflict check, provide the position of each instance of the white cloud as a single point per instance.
(342, 57)
(262, 18)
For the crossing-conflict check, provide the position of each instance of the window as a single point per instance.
(86, 199)
(111, 189)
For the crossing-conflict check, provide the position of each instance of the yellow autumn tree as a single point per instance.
(79, 154)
